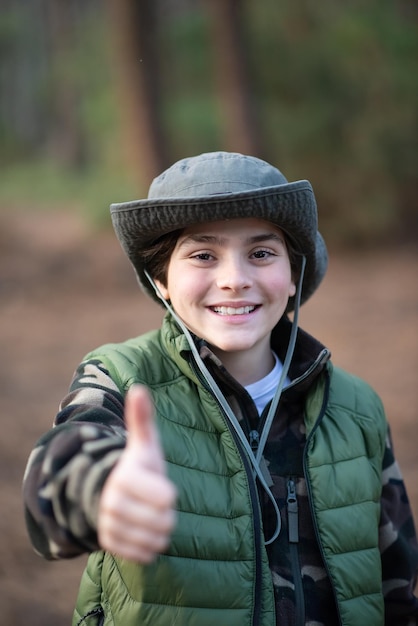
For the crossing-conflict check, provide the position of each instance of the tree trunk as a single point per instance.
(66, 142)
(134, 27)
(241, 127)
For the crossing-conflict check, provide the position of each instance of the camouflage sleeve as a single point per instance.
(398, 546)
(67, 469)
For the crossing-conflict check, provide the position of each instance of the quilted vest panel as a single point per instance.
(343, 465)
(207, 576)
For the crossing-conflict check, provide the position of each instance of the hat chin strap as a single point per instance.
(257, 460)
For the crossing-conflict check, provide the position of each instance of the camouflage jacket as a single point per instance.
(71, 462)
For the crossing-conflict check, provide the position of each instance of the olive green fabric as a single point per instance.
(210, 564)
(347, 449)
(208, 574)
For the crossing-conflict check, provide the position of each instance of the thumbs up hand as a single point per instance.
(136, 508)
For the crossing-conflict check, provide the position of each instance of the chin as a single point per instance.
(231, 347)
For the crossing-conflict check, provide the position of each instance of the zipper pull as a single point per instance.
(292, 512)
(254, 443)
(254, 440)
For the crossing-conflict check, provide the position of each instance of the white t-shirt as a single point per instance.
(262, 391)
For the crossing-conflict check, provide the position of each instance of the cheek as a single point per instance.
(185, 293)
(281, 284)
(183, 287)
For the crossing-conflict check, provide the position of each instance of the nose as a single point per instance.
(234, 275)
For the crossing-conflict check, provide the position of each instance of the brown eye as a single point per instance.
(203, 256)
(262, 254)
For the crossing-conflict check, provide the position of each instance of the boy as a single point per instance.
(220, 470)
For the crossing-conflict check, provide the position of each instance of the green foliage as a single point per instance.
(20, 83)
(339, 95)
(335, 84)
(192, 124)
(45, 185)
(35, 176)
(189, 107)
(185, 60)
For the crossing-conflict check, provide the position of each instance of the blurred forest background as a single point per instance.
(98, 97)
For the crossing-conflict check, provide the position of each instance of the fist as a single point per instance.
(136, 508)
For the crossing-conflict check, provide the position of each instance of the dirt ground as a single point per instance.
(65, 290)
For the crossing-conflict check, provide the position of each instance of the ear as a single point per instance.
(163, 289)
(292, 289)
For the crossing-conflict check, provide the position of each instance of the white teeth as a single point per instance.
(229, 310)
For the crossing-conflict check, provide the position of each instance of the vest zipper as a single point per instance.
(293, 537)
(310, 497)
(257, 527)
(254, 439)
(93, 613)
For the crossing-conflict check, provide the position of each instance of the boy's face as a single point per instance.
(230, 282)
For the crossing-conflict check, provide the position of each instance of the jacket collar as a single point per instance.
(310, 355)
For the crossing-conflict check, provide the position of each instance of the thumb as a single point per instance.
(139, 420)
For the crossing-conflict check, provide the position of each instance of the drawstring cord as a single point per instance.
(255, 460)
(286, 366)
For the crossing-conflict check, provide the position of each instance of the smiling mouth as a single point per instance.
(229, 310)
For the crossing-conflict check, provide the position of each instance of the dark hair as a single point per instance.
(295, 257)
(156, 257)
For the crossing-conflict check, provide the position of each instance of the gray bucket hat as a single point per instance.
(222, 186)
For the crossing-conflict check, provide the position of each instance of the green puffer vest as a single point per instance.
(216, 570)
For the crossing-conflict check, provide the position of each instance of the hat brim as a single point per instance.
(291, 207)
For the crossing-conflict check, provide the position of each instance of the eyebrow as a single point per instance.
(220, 241)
